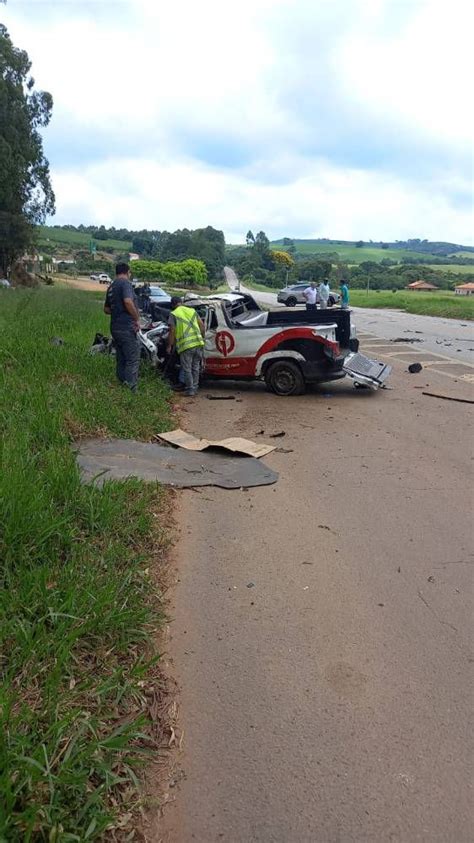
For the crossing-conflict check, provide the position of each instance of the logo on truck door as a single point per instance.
(225, 343)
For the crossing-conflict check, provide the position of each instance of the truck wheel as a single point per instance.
(291, 302)
(284, 378)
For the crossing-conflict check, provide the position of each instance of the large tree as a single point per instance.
(26, 195)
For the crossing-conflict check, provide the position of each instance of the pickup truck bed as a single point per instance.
(238, 317)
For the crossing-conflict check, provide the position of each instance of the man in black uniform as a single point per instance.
(120, 304)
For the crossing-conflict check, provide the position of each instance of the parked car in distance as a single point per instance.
(157, 294)
(293, 295)
(94, 277)
(104, 278)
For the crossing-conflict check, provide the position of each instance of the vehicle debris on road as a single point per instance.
(414, 368)
(449, 397)
(101, 460)
(236, 444)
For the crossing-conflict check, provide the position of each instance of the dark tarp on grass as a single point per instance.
(100, 460)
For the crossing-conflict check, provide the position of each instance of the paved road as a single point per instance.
(449, 337)
(322, 627)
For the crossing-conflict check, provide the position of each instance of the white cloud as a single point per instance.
(284, 115)
(320, 201)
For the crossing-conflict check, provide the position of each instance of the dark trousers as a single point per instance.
(311, 308)
(127, 356)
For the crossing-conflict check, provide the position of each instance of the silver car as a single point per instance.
(293, 295)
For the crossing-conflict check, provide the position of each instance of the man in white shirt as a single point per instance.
(310, 296)
(324, 294)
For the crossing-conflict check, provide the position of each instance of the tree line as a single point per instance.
(256, 261)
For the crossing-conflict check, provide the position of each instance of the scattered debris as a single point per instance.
(277, 435)
(415, 367)
(235, 444)
(250, 585)
(449, 397)
(381, 604)
(283, 450)
(101, 345)
(220, 397)
(101, 460)
(407, 339)
(56, 341)
(431, 579)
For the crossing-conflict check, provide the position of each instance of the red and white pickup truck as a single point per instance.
(286, 349)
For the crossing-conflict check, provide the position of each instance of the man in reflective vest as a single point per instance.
(187, 333)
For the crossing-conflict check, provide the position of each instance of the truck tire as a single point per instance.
(284, 378)
(291, 302)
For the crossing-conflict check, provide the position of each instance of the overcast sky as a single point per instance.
(306, 118)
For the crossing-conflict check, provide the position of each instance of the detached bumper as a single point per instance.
(364, 371)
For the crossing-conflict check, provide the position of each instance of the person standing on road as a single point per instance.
(344, 294)
(324, 294)
(120, 304)
(310, 296)
(187, 333)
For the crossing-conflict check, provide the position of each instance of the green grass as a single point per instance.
(431, 304)
(350, 254)
(77, 604)
(456, 269)
(76, 239)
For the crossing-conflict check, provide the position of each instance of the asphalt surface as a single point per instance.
(451, 338)
(322, 627)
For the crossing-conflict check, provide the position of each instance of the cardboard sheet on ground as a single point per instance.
(235, 444)
(100, 460)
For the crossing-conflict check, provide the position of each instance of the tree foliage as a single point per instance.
(283, 259)
(186, 273)
(26, 195)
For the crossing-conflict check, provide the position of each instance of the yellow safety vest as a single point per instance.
(188, 332)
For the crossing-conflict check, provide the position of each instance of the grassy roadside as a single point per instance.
(77, 606)
(445, 304)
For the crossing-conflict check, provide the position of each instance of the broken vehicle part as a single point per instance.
(100, 460)
(236, 444)
(366, 372)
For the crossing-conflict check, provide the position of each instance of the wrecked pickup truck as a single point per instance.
(286, 349)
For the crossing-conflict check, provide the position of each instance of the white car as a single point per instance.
(293, 295)
(102, 278)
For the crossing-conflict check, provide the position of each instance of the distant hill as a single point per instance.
(353, 247)
(54, 238)
(352, 251)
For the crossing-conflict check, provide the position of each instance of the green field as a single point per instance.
(78, 603)
(78, 240)
(456, 269)
(353, 255)
(431, 304)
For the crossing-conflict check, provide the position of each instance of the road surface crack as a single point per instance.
(445, 623)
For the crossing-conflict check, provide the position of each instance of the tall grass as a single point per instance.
(76, 603)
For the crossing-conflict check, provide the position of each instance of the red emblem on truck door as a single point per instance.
(225, 343)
